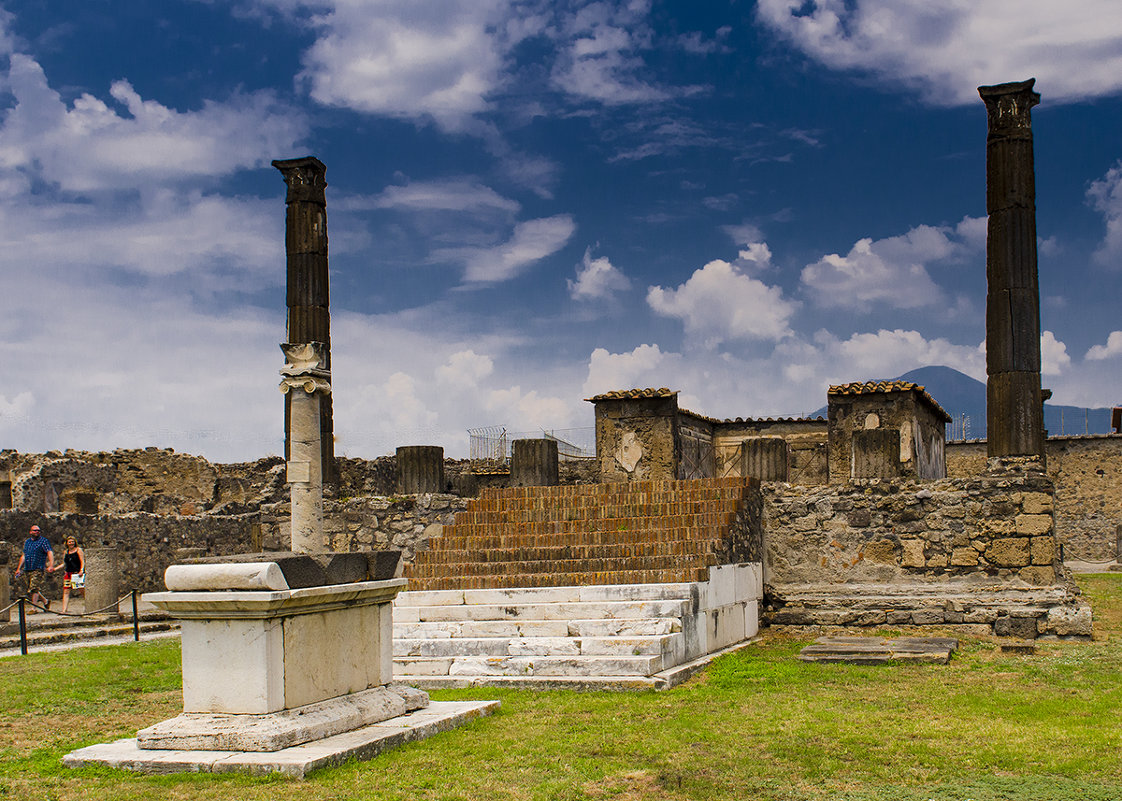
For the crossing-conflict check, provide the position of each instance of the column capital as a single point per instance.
(306, 179)
(304, 368)
(1008, 106)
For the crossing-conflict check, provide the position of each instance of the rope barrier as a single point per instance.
(113, 605)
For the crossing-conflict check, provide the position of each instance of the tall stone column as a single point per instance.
(309, 318)
(307, 384)
(1014, 406)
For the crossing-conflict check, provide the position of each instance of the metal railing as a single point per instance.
(23, 603)
(494, 443)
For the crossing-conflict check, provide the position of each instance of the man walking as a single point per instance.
(37, 558)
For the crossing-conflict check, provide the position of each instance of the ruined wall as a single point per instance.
(859, 423)
(997, 529)
(806, 446)
(146, 544)
(1087, 472)
(697, 455)
(637, 439)
(402, 522)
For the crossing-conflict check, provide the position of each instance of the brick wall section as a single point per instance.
(1087, 472)
(622, 533)
(997, 529)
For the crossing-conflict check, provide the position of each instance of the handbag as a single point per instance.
(78, 581)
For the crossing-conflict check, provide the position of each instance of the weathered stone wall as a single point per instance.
(697, 455)
(998, 529)
(1087, 472)
(398, 522)
(637, 439)
(146, 543)
(921, 432)
(806, 446)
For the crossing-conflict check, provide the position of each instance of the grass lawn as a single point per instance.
(755, 725)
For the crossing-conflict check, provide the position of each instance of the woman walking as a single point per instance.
(74, 562)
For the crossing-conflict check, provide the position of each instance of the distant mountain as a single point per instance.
(964, 399)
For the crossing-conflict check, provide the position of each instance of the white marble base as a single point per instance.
(289, 727)
(297, 761)
(257, 652)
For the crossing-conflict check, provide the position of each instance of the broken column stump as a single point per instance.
(533, 463)
(420, 468)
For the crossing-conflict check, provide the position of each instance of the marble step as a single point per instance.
(526, 666)
(667, 646)
(590, 593)
(579, 610)
(617, 627)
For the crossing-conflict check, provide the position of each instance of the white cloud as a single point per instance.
(597, 279)
(530, 242)
(1111, 350)
(1105, 195)
(1054, 358)
(209, 236)
(885, 354)
(642, 367)
(600, 55)
(891, 271)
(465, 368)
(719, 303)
(93, 145)
(947, 48)
(448, 195)
(413, 59)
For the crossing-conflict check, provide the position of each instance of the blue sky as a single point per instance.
(529, 203)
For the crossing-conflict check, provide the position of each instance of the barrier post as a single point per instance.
(22, 628)
(135, 620)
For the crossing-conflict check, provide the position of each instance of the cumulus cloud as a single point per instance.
(719, 303)
(465, 368)
(1105, 196)
(644, 366)
(1054, 358)
(884, 353)
(947, 48)
(530, 242)
(91, 144)
(597, 279)
(892, 272)
(1111, 350)
(432, 59)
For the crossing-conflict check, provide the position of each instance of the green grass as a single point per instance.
(756, 725)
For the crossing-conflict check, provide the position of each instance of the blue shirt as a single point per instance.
(35, 550)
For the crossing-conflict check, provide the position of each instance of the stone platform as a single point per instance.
(297, 761)
(878, 650)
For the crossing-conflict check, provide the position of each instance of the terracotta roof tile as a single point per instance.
(633, 394)
(872, 387)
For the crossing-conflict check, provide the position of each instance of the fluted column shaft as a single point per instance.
(1014, 405)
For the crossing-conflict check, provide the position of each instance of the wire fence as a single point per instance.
(494, 443)
(23, 603)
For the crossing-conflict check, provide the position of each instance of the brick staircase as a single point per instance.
(630, 533)
(615, 585)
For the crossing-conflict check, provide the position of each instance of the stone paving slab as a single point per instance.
(878, 650)
(297, 761)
